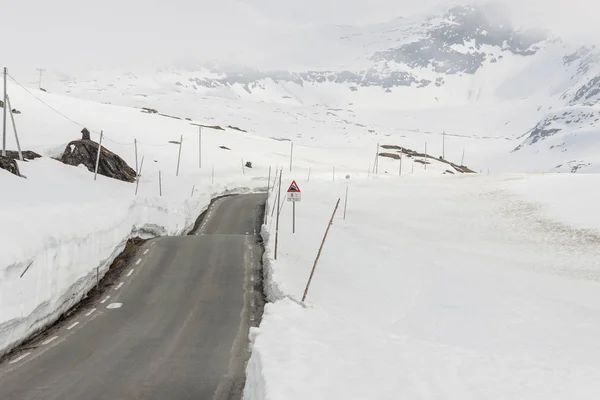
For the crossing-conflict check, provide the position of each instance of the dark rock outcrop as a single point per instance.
(85, 134)
(248, 164)
(10, 165)
(27, 155)
(111, 165)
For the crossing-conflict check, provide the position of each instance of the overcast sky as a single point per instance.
(62, 33)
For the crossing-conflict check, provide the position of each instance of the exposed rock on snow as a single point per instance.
(85, 152)
(27, 155)
(10, 165)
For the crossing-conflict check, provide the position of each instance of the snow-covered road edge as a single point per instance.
(68, 264)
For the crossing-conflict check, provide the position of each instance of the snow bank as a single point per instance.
(441, 287)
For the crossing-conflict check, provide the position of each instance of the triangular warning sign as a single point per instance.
(294, 188)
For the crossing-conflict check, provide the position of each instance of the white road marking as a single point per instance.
(247, 233)
(105, 299)
(114, 305)
(129, 273)
(138, 261)
(48, 341)
(87, 314)
(119, 286)
(73, 325)
(146, 251)
(22, 356)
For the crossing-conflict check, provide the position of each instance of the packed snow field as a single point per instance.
(436, 285)
(469, 287)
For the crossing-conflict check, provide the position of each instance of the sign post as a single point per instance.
(294, 195)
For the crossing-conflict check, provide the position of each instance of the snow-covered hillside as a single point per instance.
(466, 72)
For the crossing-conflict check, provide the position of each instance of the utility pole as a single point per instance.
(41, 71)
(4, 113)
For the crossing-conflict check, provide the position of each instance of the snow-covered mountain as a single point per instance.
(467, 72)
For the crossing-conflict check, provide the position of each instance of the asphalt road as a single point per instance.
(174, 327)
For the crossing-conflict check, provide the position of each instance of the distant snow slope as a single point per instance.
(466, 71)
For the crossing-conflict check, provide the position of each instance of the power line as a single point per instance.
(79, 124)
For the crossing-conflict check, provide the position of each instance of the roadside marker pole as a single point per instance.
(278, 212)
(462, 160)
(444, 145)
(334, 173)
(243, 171)
(268, 191)
(179, 156)
(136, 156)
(291, 155)
(377, 160)
(308, 180)
(346, 202)
(293, 217)
(400, 171)
(425, 157)
(98, 155)
(4, 113)
(137, 180)
(319, 253)
(193, 187)
(276, 197)
(199, 147)
(159, 183)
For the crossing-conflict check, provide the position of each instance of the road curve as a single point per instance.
(174, 327)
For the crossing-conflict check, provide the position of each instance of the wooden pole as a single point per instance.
(319, 253)
(137, 181)
(179, 156)
(98, 155)
(267, 201)
(4, 113)
(444, 145)
(377, 160)
(12, 118)
(278, 212)
(345, 201)
(400, 171)
(136, 156)
(291, 155)
(293, 217)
